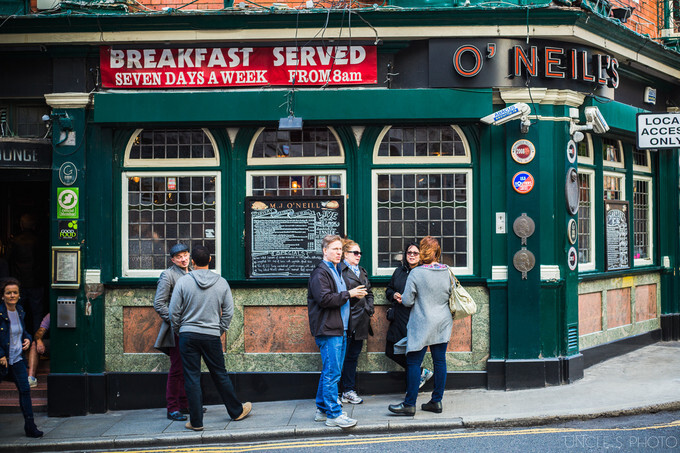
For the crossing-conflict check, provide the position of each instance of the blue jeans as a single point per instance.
(413, 361)
(20, 375)
(349, 367)
(332, 355)
(192, 347)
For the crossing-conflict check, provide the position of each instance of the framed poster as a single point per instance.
(616, 235)
(283, 234)
(66, 267)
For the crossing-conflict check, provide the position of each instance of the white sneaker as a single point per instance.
(425, 376)
(343, 421)
(32, 381)
(320, 415)
(351, 397)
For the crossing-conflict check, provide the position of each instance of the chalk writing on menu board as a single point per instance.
(283, 235)
(616, 235)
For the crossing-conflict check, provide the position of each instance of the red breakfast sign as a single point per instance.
(206, 67)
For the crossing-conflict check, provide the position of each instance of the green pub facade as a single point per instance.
(508, 132)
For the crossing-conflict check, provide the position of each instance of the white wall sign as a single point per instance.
(658, 130)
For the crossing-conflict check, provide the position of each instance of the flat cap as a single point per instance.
(178, 248)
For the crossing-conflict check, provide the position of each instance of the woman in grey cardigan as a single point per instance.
(427, 290)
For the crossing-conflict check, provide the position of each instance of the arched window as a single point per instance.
(168, 196)
(423, 187)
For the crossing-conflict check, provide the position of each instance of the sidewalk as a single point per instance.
(645, 380)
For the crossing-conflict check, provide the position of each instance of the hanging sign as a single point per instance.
(210, 67)
(523, 182)
(523, 151)
(658, 130)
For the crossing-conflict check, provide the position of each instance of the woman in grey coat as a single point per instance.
(427, 290)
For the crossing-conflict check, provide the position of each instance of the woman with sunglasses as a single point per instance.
(360, 322)
(398, 314)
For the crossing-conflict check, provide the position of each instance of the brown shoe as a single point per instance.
(247, 407)
(194, 428)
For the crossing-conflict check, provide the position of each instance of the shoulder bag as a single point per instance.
(460, 301)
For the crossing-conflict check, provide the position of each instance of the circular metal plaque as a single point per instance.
(524, 226)
(572, 258)
(571, 191)
(572, 151)
(524, 261)
(523, 151)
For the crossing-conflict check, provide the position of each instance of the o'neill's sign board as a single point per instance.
(658, 130)
(214, 67)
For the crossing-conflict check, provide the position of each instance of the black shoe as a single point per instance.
(185, 410)
(402, 409)
(176, 416)
(431, 406)
(31, 430)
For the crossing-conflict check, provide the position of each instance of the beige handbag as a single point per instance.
(460, 301)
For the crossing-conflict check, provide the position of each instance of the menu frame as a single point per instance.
(291, 207)
(611, 206)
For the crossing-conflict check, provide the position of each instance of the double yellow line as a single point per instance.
(263, 446)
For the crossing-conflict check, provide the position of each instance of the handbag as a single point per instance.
(461, 303)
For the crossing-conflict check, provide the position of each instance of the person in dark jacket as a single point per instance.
(328, 309)
(398, 314)
(361, 311)
(167, 341)
(14, 340)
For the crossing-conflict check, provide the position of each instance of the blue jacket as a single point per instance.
(4, 329)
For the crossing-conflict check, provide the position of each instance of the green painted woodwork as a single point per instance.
(79, 349)
(258, 107)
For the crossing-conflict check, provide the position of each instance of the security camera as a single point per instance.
(594, 117)
(513, 112)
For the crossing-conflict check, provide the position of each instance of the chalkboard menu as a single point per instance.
(283, 234)
(616, 234)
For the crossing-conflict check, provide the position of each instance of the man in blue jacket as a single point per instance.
(328, 310)
(201, 309)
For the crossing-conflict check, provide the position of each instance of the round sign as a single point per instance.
(572, 258)
(523, 151)
(572, 231)
(68, 173)
(572, 151)
(523, 182)
(67, 199)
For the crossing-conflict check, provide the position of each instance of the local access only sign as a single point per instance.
(658, 130)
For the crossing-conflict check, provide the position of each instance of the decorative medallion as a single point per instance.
(572, 258)
(572, 151)
(524, 261)
(572, 231)
(68, 173)
(524, 226)
(523, 151)
(523, 182)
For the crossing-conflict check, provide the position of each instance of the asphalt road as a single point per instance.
(651, 433)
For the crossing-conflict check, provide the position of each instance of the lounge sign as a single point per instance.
(210, 67)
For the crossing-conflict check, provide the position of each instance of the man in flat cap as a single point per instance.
(167, 341)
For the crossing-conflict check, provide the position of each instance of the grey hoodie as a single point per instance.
(201, 303)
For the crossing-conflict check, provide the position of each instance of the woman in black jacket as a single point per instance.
(398, 314)
(360, 319)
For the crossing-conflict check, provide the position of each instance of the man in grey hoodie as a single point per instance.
(201, 309)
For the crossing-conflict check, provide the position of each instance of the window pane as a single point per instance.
(296, 185)
(585, 212)
(612, 187)
(431, 141)
(641, 218)
(312, 142)
(160, 144)
(163, 223)
(418, 205)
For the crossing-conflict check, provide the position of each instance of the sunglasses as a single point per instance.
(413, 253)
(355, 252)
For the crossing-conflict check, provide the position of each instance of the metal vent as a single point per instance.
(572, 337)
